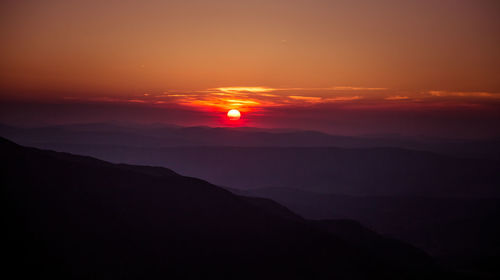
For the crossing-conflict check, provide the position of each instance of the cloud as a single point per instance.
(357, 88)
(244, 89)
(239, 90)
(259, 98)
(397, 97)
(344, 98)
(441, 93)
(305, 98)
(175, 95)
(136, 101)
(268, 95)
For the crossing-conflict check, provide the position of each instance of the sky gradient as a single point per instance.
(349, 67)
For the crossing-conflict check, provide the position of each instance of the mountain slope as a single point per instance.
(460, 232)
(77, 217)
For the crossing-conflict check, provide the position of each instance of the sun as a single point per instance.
(233, 114)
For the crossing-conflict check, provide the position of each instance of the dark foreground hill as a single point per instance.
(76, 217)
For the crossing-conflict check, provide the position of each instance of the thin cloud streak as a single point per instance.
(397, 97)
(464, 94)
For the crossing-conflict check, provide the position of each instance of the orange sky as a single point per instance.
(252, 55)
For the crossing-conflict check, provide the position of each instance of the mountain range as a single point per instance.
(77, 217)
(161, 135)
(439, 196)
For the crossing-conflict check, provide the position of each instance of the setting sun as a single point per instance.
(234, 114)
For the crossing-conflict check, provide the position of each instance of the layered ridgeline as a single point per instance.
(250, 158)
(161, 136)
(77, 217)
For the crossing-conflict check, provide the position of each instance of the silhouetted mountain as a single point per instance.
(385, 248)
(461, 232)
(77, 217)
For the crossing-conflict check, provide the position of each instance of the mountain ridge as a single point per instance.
(90, 217)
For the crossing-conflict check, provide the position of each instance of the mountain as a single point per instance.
(160, 136)
(459, 232)
(77, 217)
(374, 171)
(204, 153)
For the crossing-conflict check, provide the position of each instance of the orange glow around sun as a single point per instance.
(233, 114)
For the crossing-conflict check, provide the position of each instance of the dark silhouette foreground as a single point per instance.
(76, 217)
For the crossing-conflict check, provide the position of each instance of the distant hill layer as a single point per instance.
(158, 136)
(376, 171)
(267, 158)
